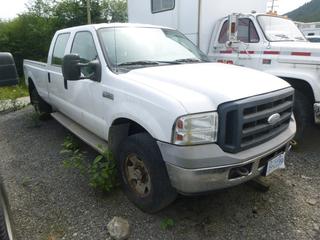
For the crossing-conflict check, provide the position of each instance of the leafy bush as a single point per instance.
(102, 171)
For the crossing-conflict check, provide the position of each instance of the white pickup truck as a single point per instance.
(175, 122)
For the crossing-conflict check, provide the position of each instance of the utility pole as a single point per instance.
(88, 12)
(272, 6)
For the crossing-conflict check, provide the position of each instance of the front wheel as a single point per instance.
(144, 175)
(303, 113)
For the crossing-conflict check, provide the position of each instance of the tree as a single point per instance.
(28, 36)
(114, 11)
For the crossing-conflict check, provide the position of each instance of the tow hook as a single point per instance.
(292, 144)
(242, 171)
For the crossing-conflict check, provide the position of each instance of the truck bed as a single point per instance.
(37, 71)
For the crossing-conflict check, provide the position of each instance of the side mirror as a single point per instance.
(233, 28)
(71, 69)
(8, 71)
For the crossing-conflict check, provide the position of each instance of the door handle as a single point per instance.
(107, 95)
(49, 78)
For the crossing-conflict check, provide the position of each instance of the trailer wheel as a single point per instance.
(5, 223)
(143, 174)
(303, 113)
(41, 107)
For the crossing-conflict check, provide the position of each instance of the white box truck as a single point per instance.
(232, 32)
(194, 18)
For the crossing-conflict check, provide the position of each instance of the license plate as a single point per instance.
(276, 163)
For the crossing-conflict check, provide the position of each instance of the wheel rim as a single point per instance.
(6, 217)
(137, 175)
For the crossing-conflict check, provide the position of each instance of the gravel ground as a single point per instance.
(50, 202)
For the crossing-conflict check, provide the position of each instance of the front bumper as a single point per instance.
(197, 169)
(317, 113)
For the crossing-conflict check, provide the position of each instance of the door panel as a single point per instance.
(84, 95)
(247, 52)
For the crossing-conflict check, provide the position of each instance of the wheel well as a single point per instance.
(30, 84)
(301, 86)
(120, 129)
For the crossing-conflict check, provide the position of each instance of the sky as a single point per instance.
(10, 8)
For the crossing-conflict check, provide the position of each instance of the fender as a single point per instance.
(159, 129)
(307, 76)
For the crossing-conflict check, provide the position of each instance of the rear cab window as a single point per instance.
(59, 48)
(247, 32)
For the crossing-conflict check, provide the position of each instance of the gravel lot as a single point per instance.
(51, 202)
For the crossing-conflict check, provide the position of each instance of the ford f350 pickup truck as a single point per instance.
(175, 122)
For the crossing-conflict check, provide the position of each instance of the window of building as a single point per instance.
(162, 5)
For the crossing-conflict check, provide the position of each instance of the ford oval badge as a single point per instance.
(274, 118)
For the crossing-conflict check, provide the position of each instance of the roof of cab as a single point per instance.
(109, 25)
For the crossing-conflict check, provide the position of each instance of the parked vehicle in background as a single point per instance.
(315, 39)
(265, 42)
(310, 28)
(8, 77)
(175, 122)
(8, 71)
(6, 232)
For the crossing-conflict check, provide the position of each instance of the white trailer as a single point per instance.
(194, 18)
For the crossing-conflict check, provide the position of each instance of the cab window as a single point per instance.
(83, 45)
(59, 48)
(247, 32)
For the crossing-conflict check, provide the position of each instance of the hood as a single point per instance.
(303, 52)
(297, 46)
(204, 86)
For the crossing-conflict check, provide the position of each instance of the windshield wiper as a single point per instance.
(187, 60)
(300, 38)
(139, 63)
(282, 36)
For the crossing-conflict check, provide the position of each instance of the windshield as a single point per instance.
(278, 29)
(136, 47)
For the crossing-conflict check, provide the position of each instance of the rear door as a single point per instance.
(56, 86)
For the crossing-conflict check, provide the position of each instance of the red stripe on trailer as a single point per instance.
(306, 54)
(271, 52)
(226, 52)
(247, 52)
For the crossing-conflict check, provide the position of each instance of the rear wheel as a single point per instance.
(41, 107)
(144, 175)
(303, 114)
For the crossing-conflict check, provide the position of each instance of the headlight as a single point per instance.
(196, 129)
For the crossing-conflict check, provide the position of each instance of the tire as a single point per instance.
(41, 107)
(303, 114)
(5, 223)
(143, 174)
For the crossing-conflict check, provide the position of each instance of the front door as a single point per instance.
(247, 52)
(84, 94)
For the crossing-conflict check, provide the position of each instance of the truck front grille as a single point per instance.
(244, 123)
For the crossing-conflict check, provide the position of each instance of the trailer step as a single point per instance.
(81, 132)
